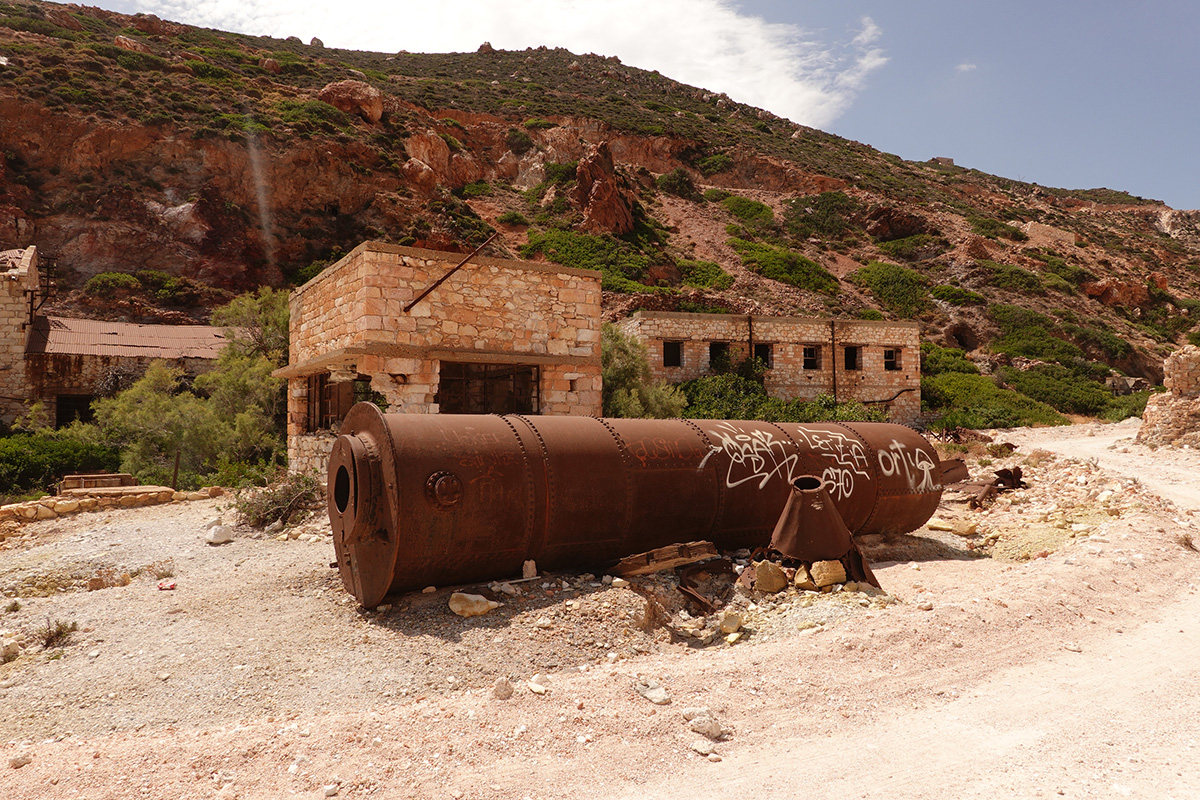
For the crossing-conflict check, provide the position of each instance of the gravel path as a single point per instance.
(1056, 665)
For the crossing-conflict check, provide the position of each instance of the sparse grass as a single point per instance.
(1184, 540)
(108, 577)
(56, 633)
(163, 568)
(283, 501)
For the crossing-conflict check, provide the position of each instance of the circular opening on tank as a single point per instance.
(341, 489)
(807, 483)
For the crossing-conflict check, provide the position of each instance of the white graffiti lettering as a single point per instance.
(916, 465)
(849, 457)
(753, 455)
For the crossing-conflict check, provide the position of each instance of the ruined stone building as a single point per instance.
(63, 362)
(498, 336)
(1173, 417)
(878, 363)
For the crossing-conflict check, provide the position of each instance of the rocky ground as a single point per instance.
(1028, 647)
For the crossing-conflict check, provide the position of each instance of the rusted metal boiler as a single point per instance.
(421, 499)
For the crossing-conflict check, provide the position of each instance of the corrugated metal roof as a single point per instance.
(92, 337)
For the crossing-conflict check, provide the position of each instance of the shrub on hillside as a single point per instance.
(1027, 333)
(621, 265)
(1005, 276)
(751, 213)
(732, 395)
(679, 183)
(519, 142)
(1059, 387)
(915, 248)
(975, 401)
(715, 195)
(784, 266)
(936, 360)
(106, 283)
(899, 289)
(993, 229)
(827, 215)
(704, 275)
(32, 461)
(625, 377)
(714, 164)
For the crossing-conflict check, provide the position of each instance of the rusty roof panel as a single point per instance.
(91, 337)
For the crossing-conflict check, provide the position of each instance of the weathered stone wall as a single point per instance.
(1174, 417)
(351, 317)
(14, 333)
(788, 336)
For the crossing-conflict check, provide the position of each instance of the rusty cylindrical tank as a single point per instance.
(421, 499)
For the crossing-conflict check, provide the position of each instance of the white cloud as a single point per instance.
(707, 43)
(966, 66)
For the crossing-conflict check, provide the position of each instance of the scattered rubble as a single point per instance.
(471, 605)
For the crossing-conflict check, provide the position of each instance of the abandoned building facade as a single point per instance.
(65, 363)
(876, 363)
(497, 336)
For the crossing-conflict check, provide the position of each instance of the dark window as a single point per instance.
(672, 354)
(853, 358)
(488, 389)
(71, 407)
(812, 357)
(718, 356)
(891, 359)
(329, 402)
(762, 352)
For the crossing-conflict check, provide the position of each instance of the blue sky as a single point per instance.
(1072, 93)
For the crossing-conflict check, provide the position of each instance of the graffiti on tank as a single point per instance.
(916, 466)
(753, 455)
(848, 455)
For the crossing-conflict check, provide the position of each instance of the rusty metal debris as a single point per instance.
(811, 529)
(420, 499)
(981, 492)
(662, 558)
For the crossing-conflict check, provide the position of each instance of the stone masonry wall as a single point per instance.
(788, 336)
(352, 317)
(14, 333)
(1174, 417)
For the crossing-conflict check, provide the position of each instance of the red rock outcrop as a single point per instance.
(354, 97)
(598, 191)
(133, 45)
(153, 25)
(1112, 292)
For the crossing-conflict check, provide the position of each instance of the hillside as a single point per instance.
(208, 163)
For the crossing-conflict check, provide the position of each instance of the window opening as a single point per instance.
(853, 358)
(762, 352)
(71, 407)
(891, 359)
(718, 356)
(812, 357)
(672, 354)
(469, 388)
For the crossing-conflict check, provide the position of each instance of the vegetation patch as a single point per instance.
(751, 213)
(1058, 387)
(733, 395)
(1005, 276)
(994, 229)
(714, 164)
(33, 460)
(704, 275)
(964, 400)
(899, 289)
(915, 248)
(784, 266)
(1029, 334)
(619, 263)
(828, 215)
(679, 183)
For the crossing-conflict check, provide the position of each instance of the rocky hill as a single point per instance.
(206, 163)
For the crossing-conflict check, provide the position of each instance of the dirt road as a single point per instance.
(1063, 666)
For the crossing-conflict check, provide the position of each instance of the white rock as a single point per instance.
(652, 690)
(619, 582)
(331, 790)
(212, 523)
(538, 684)
(219, 534)
(471, 605)
(703, 748)
(529, 569)
(543, 623)
(925, 606)
(707, 726)
(692, 712)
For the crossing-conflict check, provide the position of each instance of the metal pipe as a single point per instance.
(420, 499)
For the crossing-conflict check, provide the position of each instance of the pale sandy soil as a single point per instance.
(1065, 666)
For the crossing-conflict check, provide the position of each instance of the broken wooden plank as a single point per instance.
(663, 558)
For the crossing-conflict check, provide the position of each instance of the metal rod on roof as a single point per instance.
(442, 279)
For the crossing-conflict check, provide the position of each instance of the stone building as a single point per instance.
(498, 336)
(872, 362)
(63, 362)
(1173, 418)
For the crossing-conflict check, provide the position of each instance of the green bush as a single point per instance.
(870, 314)
(518, 142)
(915, 248)
(936, 360)
(512, 218)
(621, 265)
(1058, 387)
(312, 115)
(1131, 405)
(714, 164)
(715, 195)
(732, 395)
(899, 289)
(827, 214)
(211, 72)
(625, 380)
(1055, 265)
(704, 275)
(957, 296)
(1005, 276)
(1111, 345)
(677, 182)
(108, 282)
(539, 124)
(476, 189)
(1032, 335)
(32, 461)
(561, 172)
(975, 401)
(784, 266)
(135, 62)
(993, 229)
(751, 213)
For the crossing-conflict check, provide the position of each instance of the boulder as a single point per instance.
(1112, 292)
(270, 65)
(133, 45)
(598, 192)
(354, 97)
(471, 605)
(768, 577)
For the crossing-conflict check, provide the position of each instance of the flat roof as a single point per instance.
(93, 337)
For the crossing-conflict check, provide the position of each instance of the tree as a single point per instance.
(257, 323)
(627, 391)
